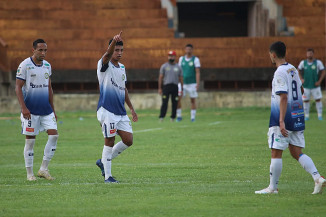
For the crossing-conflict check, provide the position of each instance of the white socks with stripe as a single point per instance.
(319, 108)
(29, 156)
(306, 108)
(309, 166)
(193, 113)
(49, 150)
(118, 148)
(275, 172)
(107, 160)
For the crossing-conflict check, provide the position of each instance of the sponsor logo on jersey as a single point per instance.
(38, 85)
(19, 71)
(115, 84)
(112, 131)
(28, 129)
(298, 124)
(46, 64)
(175, 69)
(122, 67)
(33, 75)
(123, 77)
(191, 63)
(313, 66)
(296, 114)
(46, 75)
(31, 67)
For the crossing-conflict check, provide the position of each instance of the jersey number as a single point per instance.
(294, 90)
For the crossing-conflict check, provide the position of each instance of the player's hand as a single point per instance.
(26, 113)
(55, 115)
(284, 132)
(197, 86)
(302, 81)
(160, 91)
(118, 37)
(317, 84)
(134, 115)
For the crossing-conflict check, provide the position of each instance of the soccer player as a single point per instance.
(287, 122)
(170, 75)
(111, 111)
(309, 70)
(191, 77)
(35, 96)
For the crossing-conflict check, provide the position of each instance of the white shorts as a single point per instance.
(111, 123)
(277, 141)
(315, 92)
(38, 123)
(188, 89)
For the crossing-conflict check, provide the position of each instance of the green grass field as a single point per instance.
(208, 168)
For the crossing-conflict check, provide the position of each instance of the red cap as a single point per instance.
(172, 52)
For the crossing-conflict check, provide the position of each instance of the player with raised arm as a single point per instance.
(287, 124)
(111, 112)
(35, 96)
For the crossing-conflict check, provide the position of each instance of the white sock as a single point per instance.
(118, 148)
(107, 160)
(193, 113)
(179, 113)
(275, 172)
(49, 150)
(29, 156)
(309, 166)
(319, 107)
(306, 107)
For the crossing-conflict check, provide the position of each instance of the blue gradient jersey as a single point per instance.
(36, 87)
(286, 80)
(112, 80)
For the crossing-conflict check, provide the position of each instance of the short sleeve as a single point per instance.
(180, 61)
(21, 72)
(320, 65)
(197, 62)
(280, 83)
(301, 65)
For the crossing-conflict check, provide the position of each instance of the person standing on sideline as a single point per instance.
(111, 112)
(35, 96)
(312, 73)
(170, 75)
(287, 124)
(191, 79)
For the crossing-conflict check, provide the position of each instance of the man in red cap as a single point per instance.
(170, 76)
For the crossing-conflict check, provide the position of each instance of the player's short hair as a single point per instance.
(189, 45)
(278, 48)
(311, 49)
(118, 43)
(37, 41)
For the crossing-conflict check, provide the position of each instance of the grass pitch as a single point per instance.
(208, 168)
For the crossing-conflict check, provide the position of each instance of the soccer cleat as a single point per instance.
(100, 165)
(267, 191)
(306, 118)
(179, 119)
(111, 180)
(320, 118)
(193, 120)
(45, 174)
(319, 184)
(31, 178)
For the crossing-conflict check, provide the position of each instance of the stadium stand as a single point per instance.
(77, 33)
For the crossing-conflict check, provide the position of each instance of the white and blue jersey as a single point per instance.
(36, 87)
(112, 80)
(286, 80)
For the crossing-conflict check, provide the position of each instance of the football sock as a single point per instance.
(118, 148)
(309, 166)
(319, 107)
(275, 172)
(193, 113)
(49, 150)
(306, 107)
(29, 156)
(106, 160)
(179, 113)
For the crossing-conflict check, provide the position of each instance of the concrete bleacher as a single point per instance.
(77, 33)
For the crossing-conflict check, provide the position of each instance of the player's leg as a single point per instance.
(165, 100)
(316, 93)
(125, 132)
(277, 143)
(306, 102)
(193, 95)
(179, 110)
(174, 99)
(49, 124)
(30, 129)
(297, 143)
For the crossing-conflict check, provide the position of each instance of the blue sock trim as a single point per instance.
(301, 154)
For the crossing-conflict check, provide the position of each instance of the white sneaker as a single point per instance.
(45, 174)
(319, 184)
(267, 191)
(31, 178)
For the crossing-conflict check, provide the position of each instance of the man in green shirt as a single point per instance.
(312, 73)
(191, 77)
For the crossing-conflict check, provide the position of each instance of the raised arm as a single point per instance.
(127, 100)
(108, 54)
